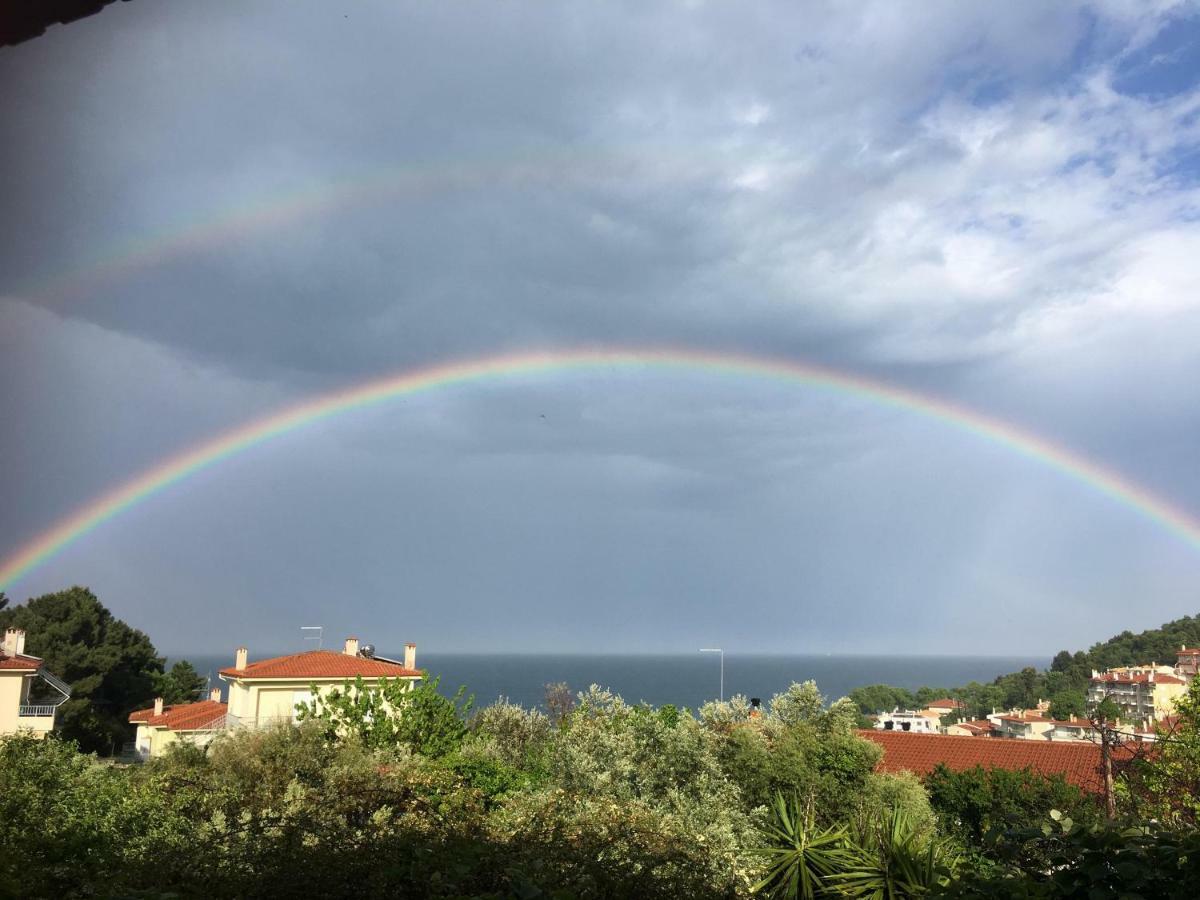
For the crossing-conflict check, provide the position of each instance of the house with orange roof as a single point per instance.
(973, 728)
(22, 679)
(162, 725)
(944, 706)
(267, 692)
(1078, 762)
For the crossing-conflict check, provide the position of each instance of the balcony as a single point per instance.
(28, 710)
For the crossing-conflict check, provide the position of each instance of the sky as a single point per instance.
(213, 211)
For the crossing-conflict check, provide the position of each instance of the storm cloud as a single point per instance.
(214, 210)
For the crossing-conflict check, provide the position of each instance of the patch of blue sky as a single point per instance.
(1180, 166)
(1168, 65)
(1104, 163)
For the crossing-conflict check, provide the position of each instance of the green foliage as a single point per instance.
(180, 684)
(1065, 704)
(112, 669)
(887, 855)
(894, 857)
(392, 712)
(978, 805)
(801, 858)
(827, 770)
(1165, 785)
(1093, 861)
(392, 792)
(877, 698)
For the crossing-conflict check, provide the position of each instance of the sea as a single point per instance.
(686, 680)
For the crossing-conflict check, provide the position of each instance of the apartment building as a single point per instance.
(1141, 693)
(29, 695)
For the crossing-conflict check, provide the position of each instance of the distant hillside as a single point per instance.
(1156, 645)
(1064, 684)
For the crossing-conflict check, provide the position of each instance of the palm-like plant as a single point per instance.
(893, 859)
(802, 858)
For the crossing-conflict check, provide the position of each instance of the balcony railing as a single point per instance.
(30, 710)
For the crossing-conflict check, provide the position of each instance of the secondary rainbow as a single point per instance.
(210, 453)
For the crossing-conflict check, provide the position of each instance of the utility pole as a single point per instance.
(1110, 801)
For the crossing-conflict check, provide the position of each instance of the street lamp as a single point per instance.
(722, 652)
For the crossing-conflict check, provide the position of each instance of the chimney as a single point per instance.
(158, 705)
(20, 642)
(1151, 676)
(12, 638)
(410, 655)
(351, 648)
(215, 695)
(240, 658)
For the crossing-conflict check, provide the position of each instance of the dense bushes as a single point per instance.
(608, 800)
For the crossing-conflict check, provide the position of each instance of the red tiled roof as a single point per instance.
(945, 703)
(20, 661)
(322, 664)
(920, 753)
(979, 726)
(182, 716)
(1114, 678)
(1189, 650)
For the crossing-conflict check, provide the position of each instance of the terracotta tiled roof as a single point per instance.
(1114, 678)
(183, 716)
(978, 726)
(322, 664)
(1188, 650)
(1079, 763)
(945, 703)
(20, 661)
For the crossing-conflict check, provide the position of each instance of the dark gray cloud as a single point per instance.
(214, 210)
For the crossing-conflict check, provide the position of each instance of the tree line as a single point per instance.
(1063, 684)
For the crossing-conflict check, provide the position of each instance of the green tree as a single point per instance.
(801, 858)
(1165, 785)
(799, 703)
(877, 698)
(393, 712)
(974, 804)
(180, 684)
(1065, 704)
(112, 668)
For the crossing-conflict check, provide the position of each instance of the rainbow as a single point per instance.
(214, 451)
(125, 257)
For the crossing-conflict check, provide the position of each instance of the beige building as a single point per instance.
(161, 725)
(936, 709)
(1021, 724)
(268, 691)
(20, 674)
(1141, 693)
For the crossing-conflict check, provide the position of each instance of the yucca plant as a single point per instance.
(893, 859)
(801, 858)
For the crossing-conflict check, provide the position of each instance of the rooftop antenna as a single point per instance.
(320, 633)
